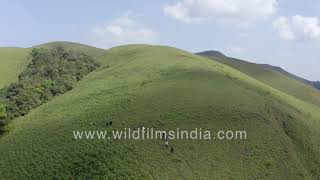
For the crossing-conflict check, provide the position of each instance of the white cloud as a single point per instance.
(123, 30)
(238, 11)
(298, 27)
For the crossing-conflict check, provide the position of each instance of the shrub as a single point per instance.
(3, 113)
(2, 129)
(2, 123)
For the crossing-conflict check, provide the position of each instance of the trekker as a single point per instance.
(163, 135)
(166, 144)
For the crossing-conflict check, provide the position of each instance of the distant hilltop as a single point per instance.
(213, 53)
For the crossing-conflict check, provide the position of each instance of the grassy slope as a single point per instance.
(166, 88)
(275, 79)
(12, 62)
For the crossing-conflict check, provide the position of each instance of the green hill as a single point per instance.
(12, 62)
(165, 88)
(308, 82)
(274, 77)
(212, 54)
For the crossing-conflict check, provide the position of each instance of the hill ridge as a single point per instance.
(213, 53)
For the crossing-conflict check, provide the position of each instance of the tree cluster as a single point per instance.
(52, 72)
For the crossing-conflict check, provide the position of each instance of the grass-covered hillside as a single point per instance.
(274, 77)
(12, 62)
(165, 88)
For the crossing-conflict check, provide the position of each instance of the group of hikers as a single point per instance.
(166, 143)
(109, 123)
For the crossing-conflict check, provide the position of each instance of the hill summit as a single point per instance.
(212, 53)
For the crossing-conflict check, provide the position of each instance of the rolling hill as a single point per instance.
(273, 76)
(308, 82)
(167, 88)
(217, 54)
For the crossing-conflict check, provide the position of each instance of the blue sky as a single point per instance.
(285, 33)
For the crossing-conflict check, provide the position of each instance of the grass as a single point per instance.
(275, 79)
(165, 88)
(13, 61)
